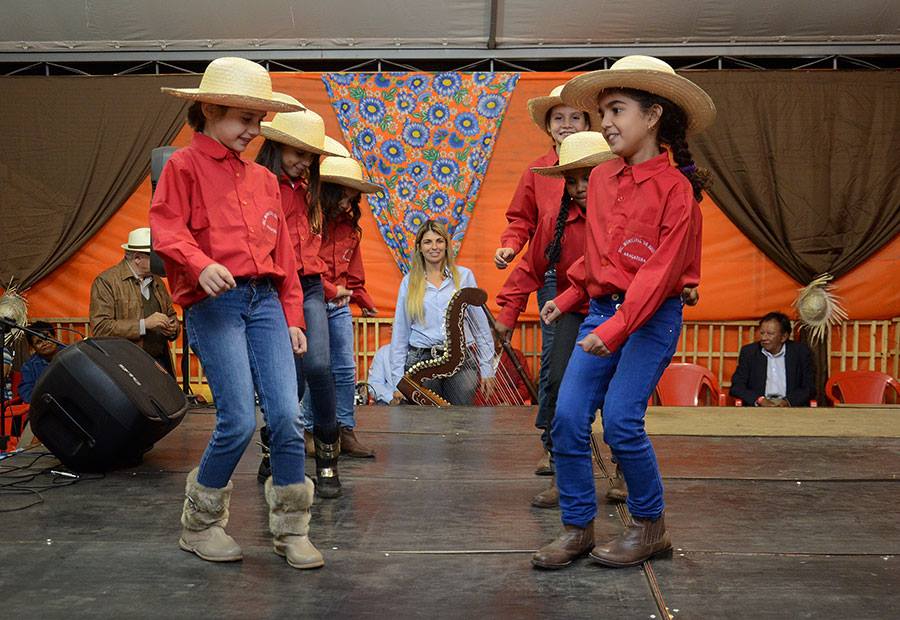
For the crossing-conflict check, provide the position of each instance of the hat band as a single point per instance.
(138, 247)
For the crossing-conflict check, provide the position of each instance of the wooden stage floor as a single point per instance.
(772, 516)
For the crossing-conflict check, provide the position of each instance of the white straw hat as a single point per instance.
(648, 74)
(304, 130)
(138, 241)
(237, 83)
(584, 149)
(336, 148)
(539, 106)
(345, 171)
(819, 308)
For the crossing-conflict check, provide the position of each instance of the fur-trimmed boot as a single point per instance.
(328, 484)
(289, 523)
(203, 521)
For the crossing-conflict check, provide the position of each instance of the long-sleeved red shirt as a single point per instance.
(211, 206)
(343, 262)
(306, 242)
(528, 276)
(534, 196)
(643, 238)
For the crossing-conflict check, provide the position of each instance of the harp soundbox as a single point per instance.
(447, 364)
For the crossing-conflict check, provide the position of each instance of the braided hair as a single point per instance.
(554, 248)
(672, 132)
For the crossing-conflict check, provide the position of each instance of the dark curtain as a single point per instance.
(804, 163)
(75, 149)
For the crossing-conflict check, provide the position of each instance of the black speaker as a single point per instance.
(104, 402)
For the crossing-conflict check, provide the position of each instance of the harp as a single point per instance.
(412, 386)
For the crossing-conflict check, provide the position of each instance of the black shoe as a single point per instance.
(328, 484)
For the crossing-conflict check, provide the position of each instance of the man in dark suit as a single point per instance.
(776, 371)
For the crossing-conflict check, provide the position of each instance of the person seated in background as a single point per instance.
(380, 376)
(776, 371)
(6, 383)
(34, 367)
(127, 301)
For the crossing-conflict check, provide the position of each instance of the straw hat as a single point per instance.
(138, 241)
(304, 130)
(648, 74)
(336, 148)
(347, 172)
(818, 307)
(539, 106)
(584, 149)
(237, 83)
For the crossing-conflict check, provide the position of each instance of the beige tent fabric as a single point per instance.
(76, 148)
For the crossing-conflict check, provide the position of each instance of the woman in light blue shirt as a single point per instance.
(418, 332)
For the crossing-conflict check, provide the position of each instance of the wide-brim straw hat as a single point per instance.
(584, 149)
(304, 130)
(345, 171)
(648, 74)
(336, 148)
(539, 106)
(819, 308)
(138, 241)
(236, 83)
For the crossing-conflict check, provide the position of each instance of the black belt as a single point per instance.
(255, 281)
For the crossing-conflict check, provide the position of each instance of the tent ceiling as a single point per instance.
(167, 29)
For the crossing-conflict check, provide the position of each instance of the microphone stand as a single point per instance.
(7, 325)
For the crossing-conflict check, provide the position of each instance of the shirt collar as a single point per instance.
(129, 273)
(643, 170)
(212, 148)
(781, 353)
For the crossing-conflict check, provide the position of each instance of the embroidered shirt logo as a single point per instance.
(270, 221)
(637, 249)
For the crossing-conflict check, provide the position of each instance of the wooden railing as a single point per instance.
(854, 345)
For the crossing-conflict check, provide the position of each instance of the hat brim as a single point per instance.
(233, 101)
(363, 186)
(137, 248)
(582, 92)
(276, 135)
(590, 161)
(539, 106)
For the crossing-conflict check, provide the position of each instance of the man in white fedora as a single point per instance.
(127, 301)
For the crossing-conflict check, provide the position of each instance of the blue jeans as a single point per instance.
(314, 368)
(620, 385)
(242, 340)
(545, 294)
(343, 367)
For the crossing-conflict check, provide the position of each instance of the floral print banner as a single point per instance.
(426, 139)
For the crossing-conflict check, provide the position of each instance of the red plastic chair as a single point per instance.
(861, 387)
(683, 384)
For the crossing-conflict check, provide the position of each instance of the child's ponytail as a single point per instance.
(554, 248)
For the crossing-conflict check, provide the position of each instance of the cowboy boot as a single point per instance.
(350, 445)
(640, 541)
(265, 467)
(289, 523)
(548, 498)
(309, 442)
(328, 485)
(572, 543)
(617, 490)
(544, 465)
(203, 520)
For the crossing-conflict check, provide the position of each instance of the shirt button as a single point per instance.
(619, 199)
(604, 261)
(237, 174)
(243, 202)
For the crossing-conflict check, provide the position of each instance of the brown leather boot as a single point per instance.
(544, 468)
(640, 541)
(572, 543)
(310, 443)
(350, 445)
(617, 490)
(548, 498)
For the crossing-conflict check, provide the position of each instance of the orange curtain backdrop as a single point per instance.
(738, 281)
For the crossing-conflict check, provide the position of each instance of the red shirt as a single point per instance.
(534, 196)
(211, 206)
(528, 276)
(343, 263)
(643, 238)
(306, 242)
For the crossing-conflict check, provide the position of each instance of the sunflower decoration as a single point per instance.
(819, 308)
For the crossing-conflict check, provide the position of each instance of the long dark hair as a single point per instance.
(554, 248)
(672, 132)
(269, 156)
(329, 198)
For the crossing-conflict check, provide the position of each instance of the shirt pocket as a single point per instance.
(636, 244)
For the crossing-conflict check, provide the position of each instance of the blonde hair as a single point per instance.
(415, 297)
